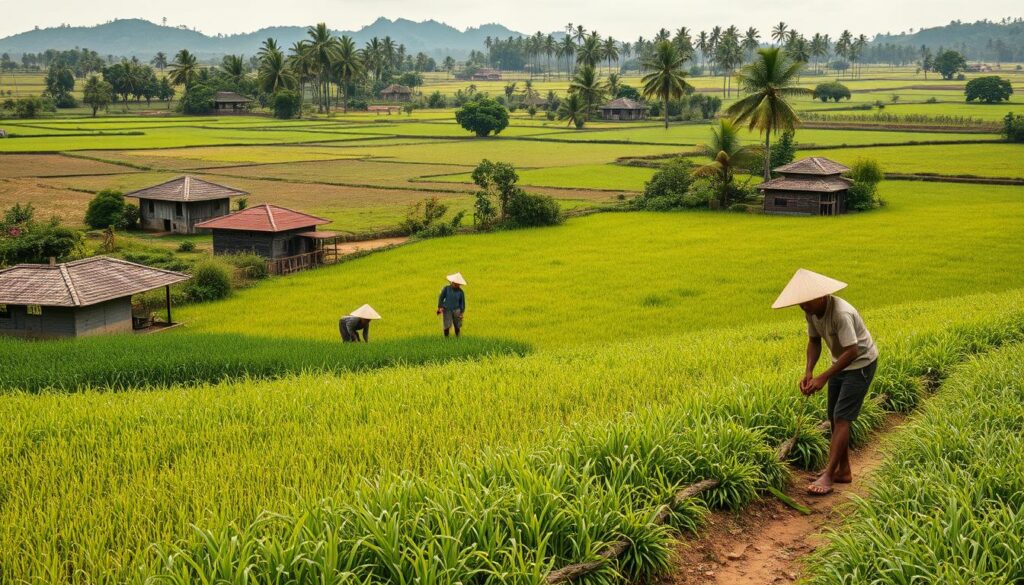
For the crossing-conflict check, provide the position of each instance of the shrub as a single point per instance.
(482, 117)
(990, 89)
(107, 209)
(187, 246)
(437, 101)
(832, 90)
(530, 210)
(425, 219)
(29, 107)
(286, 104)
(23, 239)
(667, 187)
(211, 281)
(628, 91)
(862, 195)
(1013, 127)
(158, 259)
(550, 116)
(197, 99)
(241, 203)
(358, 105)
(251, 266)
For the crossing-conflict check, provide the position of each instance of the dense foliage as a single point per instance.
(948, 63)
(426, 219)
(500, 202)
(669, 188)
(23, 239)
(832, 90)
(286, 104)
(197, 99)
(482, 116)
(211, 280)
(990, 89)
(1013, 127)
(109, 209)
(863, 194)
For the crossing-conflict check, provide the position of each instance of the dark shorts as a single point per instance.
(846, 392)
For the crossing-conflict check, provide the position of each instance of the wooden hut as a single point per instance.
(75, 299)
(623, 109)
(288, 239)
(229, 101)
(179, 204)
(486, 74)
(396, 93)
(809, 186)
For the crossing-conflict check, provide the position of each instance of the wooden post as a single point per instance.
(167, 290)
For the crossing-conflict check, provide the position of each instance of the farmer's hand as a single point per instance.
(804, 382)
(439, 310)
(816, 383)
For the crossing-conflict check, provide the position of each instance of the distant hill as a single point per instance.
(143, 39)
(982, 40)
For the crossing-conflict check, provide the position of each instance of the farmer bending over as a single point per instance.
(854, 360)
(356, 321)
(451, 304)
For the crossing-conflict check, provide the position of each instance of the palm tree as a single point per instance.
(274, 73)
(703, 45)
(666, 79)
(614, 82)
(567, 49)
(587, 84)
(184, 69)
(779, 32)
(610, 50)
(751, 41)
(768, 81)
(348, 66)
(233, 67)
(269, 46)
(160, 61)
(449, 66)
(727, 154)
(574, 110)
(590, 52)
(321, 49)
(818, 48)
(579, 34)
(550, 48)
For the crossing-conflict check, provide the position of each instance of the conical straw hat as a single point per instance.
(806, 286)
(456, 279)
(365, 312)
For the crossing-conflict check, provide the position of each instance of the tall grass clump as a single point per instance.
(948, 504)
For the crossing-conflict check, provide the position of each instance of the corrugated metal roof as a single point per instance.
(81, 283)
(815, 165)
(186, 188)
(263, 218)
(829, 184)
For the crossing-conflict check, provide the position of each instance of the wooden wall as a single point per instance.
(152, 214)
(110, 317)
(791, 203)
(113, 316)
(268, 245)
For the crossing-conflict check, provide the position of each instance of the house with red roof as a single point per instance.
(288, 239)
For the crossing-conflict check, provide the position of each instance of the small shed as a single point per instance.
(229, 101)
(486, 74)
(623, 109)
(179, 204)
(75, 299)
(809, 186)
(396, 93)
(288, 239)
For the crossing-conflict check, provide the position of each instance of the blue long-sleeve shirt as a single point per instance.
(452, 299)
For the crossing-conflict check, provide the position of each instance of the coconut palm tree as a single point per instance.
(321, 49)
(769, 81)
(590, 52)
(727, 154)
(567, 49)
(610, 50)
(579, 34)
(274, 73)
(184, 69)
(550, 48)
(818, 48)
(779, 32)
(703, 45)
(666, 78)
(160, 61)
(233, 67)
(269, 46)
(347, 66)
(751, 41)
(573, 109)
(587, 84)
(614, 83)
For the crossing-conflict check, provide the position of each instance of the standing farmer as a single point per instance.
(452, 303)
(356, 321)
(854, 360)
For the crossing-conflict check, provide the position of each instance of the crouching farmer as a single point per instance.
(356, 321)
(854, 360)
(451, 304)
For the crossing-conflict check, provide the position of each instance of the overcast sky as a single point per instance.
(623, 20)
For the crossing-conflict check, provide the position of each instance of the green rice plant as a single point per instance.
(947, 506)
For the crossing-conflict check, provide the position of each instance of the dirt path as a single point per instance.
(367, 245)
(764, 543)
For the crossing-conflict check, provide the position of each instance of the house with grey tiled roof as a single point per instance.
(179, 204)
(809, 186)
(623, 109)
(75, 299)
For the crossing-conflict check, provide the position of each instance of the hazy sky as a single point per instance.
(624, 20)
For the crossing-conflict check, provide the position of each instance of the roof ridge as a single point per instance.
(270, 216)
(75, 299)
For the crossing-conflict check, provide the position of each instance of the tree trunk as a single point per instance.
(768, 153)
(666, 110)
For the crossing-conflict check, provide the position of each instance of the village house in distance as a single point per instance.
(809, 186)
(229, 102)
(396, 93)
(75, 299)
(623, 109)
(179, 204)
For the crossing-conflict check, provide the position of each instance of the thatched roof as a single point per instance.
(229, 97)
(815, 165)
(826, 184)
(395, 88)
(263, 218)
(80, 283)
(623, 104)
(186, 188)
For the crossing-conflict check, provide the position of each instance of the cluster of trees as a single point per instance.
(502, 203)
(24, 239)
(990, 89)
(81, 61)
(832, 90)
(1013, 127)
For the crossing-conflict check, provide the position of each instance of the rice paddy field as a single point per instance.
(608, 362)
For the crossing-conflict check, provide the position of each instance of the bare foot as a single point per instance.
(822, 486)
(843, 478)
